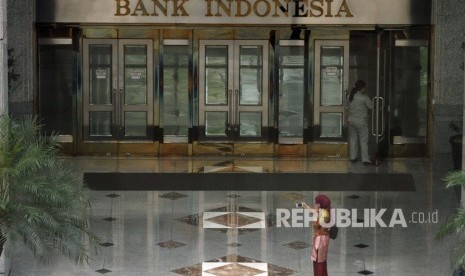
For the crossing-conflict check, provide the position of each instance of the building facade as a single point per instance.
(244, 77)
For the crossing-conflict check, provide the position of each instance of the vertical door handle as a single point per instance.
(230, 111)
(373, 117)
(382, 116)
(375, 113)
(236, 109)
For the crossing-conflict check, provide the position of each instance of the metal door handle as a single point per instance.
(373, 117)
(230, 110)
(375, 112)
(236, 108)
(382, 117)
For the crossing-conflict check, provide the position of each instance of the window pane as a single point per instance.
(250, 124)
(291, 91)
(175, 91)
(332, 75)
(216, 85)
(100, 123)
(216, 75)
(251, 75)
(100, 64)
(331, 125)
(135, 124)
(135, 74)
(56, 91)
(410, 93)
(215, 123)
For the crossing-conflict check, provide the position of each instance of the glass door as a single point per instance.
(291, 91)
(399, 118)
(408, 118)
(331, 80)
(233, 90)
(117, 90)
(135, 90)
(175, 91)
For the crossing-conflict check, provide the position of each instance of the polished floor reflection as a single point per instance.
(235, 232)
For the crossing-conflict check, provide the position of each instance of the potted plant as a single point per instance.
(42, 202)
(456, 224)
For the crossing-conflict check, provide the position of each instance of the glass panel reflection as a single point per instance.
(215, 123)
(100, 64)
(100, 123)
(331, 125)
(57, 65)
(135, 124)
(175, 90)
(250, 124)
(216, 75)
(291, 91)
(332, 75)
(410, 93)
(251, 74)
(135, 74)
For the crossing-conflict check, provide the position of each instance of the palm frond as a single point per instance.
(42, 202)
(458, 257)
(453, 225)
(455, 178)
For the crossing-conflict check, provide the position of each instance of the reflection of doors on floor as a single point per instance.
(233, 89)
(117, 95)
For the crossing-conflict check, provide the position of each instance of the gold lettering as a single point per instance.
(122, 9)
(279, 6)
(179, 7)
(267, 8)
(163, 9)
(226, 9)
(328, 8)
(239, 8)
(209, 7)
(300, 7)
(242, 8)
(140, 8)
(344, 9)
(315, 7)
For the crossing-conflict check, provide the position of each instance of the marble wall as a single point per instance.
(448, 62)
(21, 17)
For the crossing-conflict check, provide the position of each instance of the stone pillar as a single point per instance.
(3, 59)
(463, 140)
(463, 73)
(448, 86)
(21, 18)
(4, 265)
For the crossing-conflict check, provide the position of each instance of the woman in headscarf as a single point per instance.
(320, 235)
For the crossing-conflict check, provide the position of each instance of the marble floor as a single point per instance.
(218, 233)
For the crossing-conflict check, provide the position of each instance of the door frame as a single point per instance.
(233, 107)
(385, 143)
(318, 108)
(116, 143)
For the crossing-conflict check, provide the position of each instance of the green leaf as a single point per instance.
(42, 202)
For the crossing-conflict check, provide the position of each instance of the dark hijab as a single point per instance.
(323, 201)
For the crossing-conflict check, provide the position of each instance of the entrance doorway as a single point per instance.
(117, 96)
(233, 90)
(331, 80)
(399, 120)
